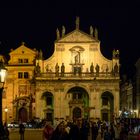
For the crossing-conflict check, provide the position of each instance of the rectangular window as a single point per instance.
(20, 74)
(26, 75)
(25, 60)
(20, 60)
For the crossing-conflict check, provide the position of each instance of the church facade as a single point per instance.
(77, 81)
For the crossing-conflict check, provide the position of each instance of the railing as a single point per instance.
(83, 75)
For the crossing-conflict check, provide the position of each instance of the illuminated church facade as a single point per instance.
(77, 81)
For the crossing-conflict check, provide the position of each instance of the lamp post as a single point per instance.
(6, 110)
(3, 71)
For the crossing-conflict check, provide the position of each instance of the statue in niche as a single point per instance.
(63, 30)
(62, 69)
(91, 68)
(116, 69)
(57, 69)
(97, 69)
(77, 58)
(37, 69)
(57, 33)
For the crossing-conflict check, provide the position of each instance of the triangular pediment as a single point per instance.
(77, 36)
(22, 49)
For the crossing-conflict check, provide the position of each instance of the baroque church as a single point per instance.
(77, 81)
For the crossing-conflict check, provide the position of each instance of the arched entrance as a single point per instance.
(78, 103)
(77, 113)
(107, 103)
(48, 111)
(23, 116)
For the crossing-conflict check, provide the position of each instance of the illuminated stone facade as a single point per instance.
(77, 81)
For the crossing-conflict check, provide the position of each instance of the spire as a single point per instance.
(77, 22)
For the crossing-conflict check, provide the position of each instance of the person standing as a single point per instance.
(47, 131)
(21, 131)
(6, 131)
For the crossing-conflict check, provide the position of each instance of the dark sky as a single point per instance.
(36, 22)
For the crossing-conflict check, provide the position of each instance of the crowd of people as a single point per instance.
(81, 129)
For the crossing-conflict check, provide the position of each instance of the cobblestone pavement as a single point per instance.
(36, 134)
(30, 134)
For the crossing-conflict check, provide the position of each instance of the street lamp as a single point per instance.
(6, 110)
(3, 72)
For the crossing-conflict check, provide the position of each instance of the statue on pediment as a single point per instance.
(63, 30)
(57, 34)
(116, 69)
(77, 22)
(57, 69)
(91, 68)
(96, 33)
(62, 69)
(97, 68)
(115, 53)
(37, 69)
(91, 30)
(23, 43)
(40, 55)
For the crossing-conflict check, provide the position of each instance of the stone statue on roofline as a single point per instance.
(115, 53)
(91, 68)
(57, 33)
(57, 69)
(77, 22)
(63, 30)
(97, 68)
(91, 30)
(96, 33)
(37, 69)
(62, 69)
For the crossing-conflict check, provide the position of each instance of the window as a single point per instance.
(26, 75)
(19, 74)
(23, 75)
(25, 60)
(20, 60)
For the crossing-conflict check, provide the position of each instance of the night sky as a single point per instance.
(35, 24)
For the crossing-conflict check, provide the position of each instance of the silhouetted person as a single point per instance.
(21, 131)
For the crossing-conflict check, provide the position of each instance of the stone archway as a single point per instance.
(23, 115)
(107, 103)
(48, 110)
(79, 101)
